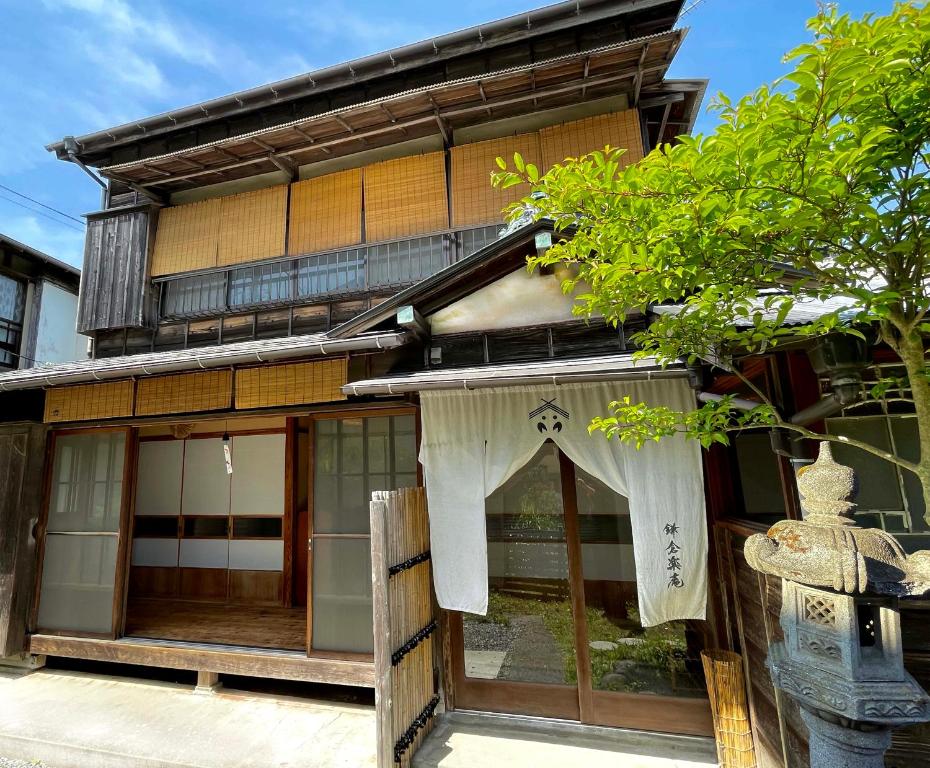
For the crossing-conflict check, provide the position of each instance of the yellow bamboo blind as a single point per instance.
(186, 238)
(474, 200)
(290, 384)
(325, 212)
(252, 225)
(615, 129)
(184, 393)
(86, 402)
(406, 196)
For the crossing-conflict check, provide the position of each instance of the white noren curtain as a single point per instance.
(473, 441)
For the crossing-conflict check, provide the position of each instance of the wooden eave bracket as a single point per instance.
(409, 319)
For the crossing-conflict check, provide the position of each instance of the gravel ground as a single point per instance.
(5, 762)
(483, 636)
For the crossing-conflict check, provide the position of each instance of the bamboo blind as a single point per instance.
(616, 129)
(474, 200)
(184, 393)
(325, 212)
(291, 384)
(86, 402)
(726, 689)
(252, 225)
(186, 238)
(406, 196)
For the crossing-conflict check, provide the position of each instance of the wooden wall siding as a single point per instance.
(22, 462)
(616, 129)
(186, 238)
(474, 200)
(406, 196)
(184, 393)
(291, 384)
(114, 291)
(86, 402)
(252, 226)
(325, 212)
(779, 735)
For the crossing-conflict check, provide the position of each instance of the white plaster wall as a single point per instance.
(56, 339)
(518, 299)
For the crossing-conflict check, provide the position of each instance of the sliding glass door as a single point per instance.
(562, 636)
(82, 543)
(353, 457)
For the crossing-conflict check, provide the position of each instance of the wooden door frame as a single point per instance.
(649, 712)
(121, 574)
(398, 409)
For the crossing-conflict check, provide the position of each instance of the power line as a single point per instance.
(47, 207)
(40, 213)
(690, 8)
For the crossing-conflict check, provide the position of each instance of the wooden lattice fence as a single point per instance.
(406, 693)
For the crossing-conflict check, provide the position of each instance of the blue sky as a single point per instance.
(76, 66)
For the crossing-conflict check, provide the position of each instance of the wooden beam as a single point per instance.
(224, 660)
(285, 164)
(638, 81)
(411, 320)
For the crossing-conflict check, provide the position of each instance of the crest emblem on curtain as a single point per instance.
(549, 416)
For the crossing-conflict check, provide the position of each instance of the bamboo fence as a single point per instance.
(405, 624)
(726, 688)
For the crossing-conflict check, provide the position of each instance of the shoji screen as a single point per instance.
(155, 524)
(186, 238)
(204, 551)
(252, 226)
(616, 129)
(406, 196)
(474, 200)
(82, 533)
(325, 212)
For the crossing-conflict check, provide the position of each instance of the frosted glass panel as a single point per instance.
(155, 552)
(256, 555)
(77, 583)
(87, 482)
(258, 475)
(353, 458)
(206, 484)
(204, 553)
(158, 490)
(342, 618)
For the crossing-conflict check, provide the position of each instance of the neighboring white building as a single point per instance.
(38, 308)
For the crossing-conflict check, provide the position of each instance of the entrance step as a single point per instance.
(480, 740)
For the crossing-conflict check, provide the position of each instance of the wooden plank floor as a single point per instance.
(252, 626)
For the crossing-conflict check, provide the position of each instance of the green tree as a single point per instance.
(823, 174)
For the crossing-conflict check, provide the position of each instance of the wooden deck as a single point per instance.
(250, 626)
(202, 657)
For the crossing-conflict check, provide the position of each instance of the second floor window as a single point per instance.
(12, 309)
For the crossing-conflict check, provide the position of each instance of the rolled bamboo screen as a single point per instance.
(184, 393)
(186, 238)
(291, 384)
(325, 212)
(85, 402)
(474, 200)
(252, 226)
(726, 687)
(406, 196)
(616, 129)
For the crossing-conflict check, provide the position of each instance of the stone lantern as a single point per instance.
(841, 657)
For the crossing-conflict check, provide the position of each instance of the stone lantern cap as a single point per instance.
(828, 550)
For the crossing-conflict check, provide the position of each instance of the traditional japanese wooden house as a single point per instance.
(303, 296)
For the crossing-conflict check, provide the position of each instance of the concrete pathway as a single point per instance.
(72, 720)
(463, 740)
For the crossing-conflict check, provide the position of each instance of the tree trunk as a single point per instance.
(910, 348)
